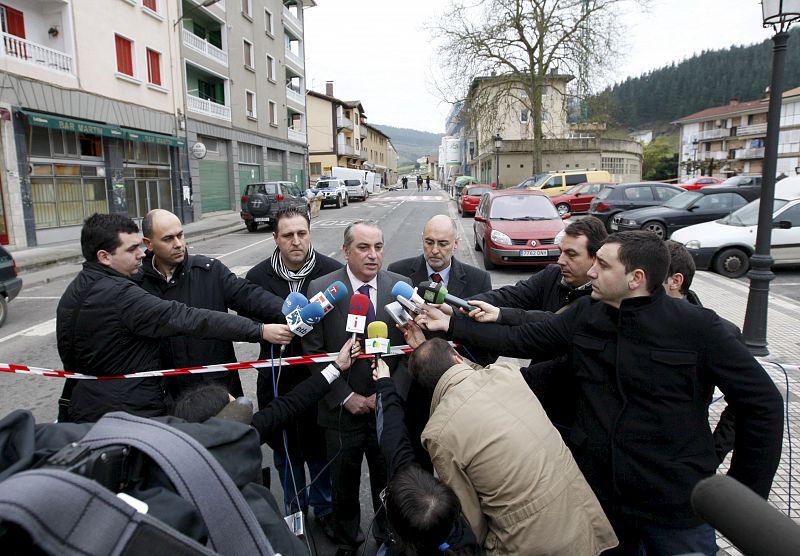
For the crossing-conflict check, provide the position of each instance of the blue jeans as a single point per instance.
(642, 538)
(318, 495)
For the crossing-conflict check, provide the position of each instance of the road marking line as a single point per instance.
(241, 270)
(41, 329)
(245, 247)
(32, 297)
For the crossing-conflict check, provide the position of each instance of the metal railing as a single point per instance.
(714, 133)
(364, 153)
(716, 155)
(344, 149)
(204, 47)
(755, 129)
(209, 108)
(742, 154)
(37, 54)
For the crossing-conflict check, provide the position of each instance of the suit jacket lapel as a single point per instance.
(457, 280)
(419, 272)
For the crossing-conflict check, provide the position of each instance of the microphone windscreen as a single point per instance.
(292, 302)
(753, 525)
(432, 292)
(312, 313)
(377, 329)
(401, 288)
(239, 410)
(336, 292)
(359, 304)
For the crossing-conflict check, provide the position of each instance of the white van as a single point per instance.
(725, 245)
(360, 190)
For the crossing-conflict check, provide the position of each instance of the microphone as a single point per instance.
(239, 410)
(378, 334)
(292, 305)
(746, 519)
(435, 292)
(302, 321)
(357, 316)
(401, 289)
(328, 298)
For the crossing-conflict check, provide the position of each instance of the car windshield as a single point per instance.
(478, 191)
(326, 184)
(574, 190)
(522, 207)
(262, 188)
(683, 200)
(531, 180)
(748, 214)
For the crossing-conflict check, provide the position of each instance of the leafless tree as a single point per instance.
(497, 55)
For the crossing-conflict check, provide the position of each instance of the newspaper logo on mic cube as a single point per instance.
(322, 301)
(356, 323)
(378, 345)
(296, 324)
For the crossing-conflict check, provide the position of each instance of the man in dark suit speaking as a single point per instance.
(348, 413)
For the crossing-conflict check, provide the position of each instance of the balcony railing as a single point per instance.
(364, 154)
(36, 54)
(292, 21)
(296, 136)
(716, 155)
(209, 108)
(714, 133)
(344, 149)
(294, 59)
(755, 129)
(344, 123)
(204, 47)
(742, 154)
(362, 131)
(295, 96)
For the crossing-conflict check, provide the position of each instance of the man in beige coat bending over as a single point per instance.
(491, 442)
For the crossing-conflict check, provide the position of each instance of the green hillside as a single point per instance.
(410, 143)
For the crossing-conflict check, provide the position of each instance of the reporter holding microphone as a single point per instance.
(347, 413)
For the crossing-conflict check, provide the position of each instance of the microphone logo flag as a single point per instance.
(378, 345)
(322, 301)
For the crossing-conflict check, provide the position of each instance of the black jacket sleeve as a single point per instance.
(282, 410)
(394, 442)
(525, 294)
(247, 298)
(513, 316)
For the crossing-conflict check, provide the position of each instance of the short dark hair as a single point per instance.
(680, 261)
(421, 510)
(349, 234)
(101, 233)
(644, 250)
(291, 212)
(430, 361)
(591, 227)
(201, 403)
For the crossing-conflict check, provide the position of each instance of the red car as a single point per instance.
(577, 199)
(470, 197)
(698, 182)
(516, 226)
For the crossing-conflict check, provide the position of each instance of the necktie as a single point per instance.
(436, 277)
(371, 311)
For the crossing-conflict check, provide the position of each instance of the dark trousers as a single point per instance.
(643, 538)
(346, 481)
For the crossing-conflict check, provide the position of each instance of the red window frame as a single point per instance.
(124, 55)
(154, 67)
(151, 5)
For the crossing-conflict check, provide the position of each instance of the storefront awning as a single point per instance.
(70, 124)
(155, 138)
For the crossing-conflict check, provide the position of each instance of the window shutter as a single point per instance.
(124, 56)
(154, 67)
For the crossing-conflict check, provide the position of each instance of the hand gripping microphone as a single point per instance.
(357, 315)
(378, 342)
(401, 289)
(328, 298)
(747, 520)
(435, 292)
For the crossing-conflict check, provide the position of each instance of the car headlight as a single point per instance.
(500, 238)
(559, 236)
(692, 244)
(628, 222)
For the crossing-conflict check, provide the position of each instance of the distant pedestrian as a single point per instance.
(427, 183)
(419, 183)
(405, 182)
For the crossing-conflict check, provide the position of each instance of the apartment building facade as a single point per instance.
(87, 115)
(377, 145)
(243, 65)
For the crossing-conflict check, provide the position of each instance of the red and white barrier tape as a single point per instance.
(238, 366)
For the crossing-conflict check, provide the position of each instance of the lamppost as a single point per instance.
(498, 141)
(778, 14)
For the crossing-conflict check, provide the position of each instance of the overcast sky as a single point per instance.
(376, 51)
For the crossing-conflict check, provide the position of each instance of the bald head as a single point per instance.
(439, 241)
(163, 235)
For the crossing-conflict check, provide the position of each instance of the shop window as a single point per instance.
(91, 145)
(43, 192)
(40, 141)
(63, 143)
(65, 198)
(70, 201)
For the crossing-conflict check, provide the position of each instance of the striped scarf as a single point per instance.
(295, 279)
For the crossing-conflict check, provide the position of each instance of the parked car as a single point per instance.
(725, 245)
(686, 209)
(262, 201)
(613, 199)
(556, 183)
(460, 183)
(740, 181)
(470, 197)
(513, 227)
(356, 189)
(333, 190)
(10, 283)
(530, 181)
(577, 199)
(699, 182)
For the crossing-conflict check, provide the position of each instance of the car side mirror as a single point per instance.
(479, 218)
(692, 208)
(782, 225)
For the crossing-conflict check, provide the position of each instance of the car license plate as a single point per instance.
(533, 253)
(614, 226)
(261, 219)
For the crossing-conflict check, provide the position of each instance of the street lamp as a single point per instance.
(498, 141)
(204, 4)
(778, 14)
